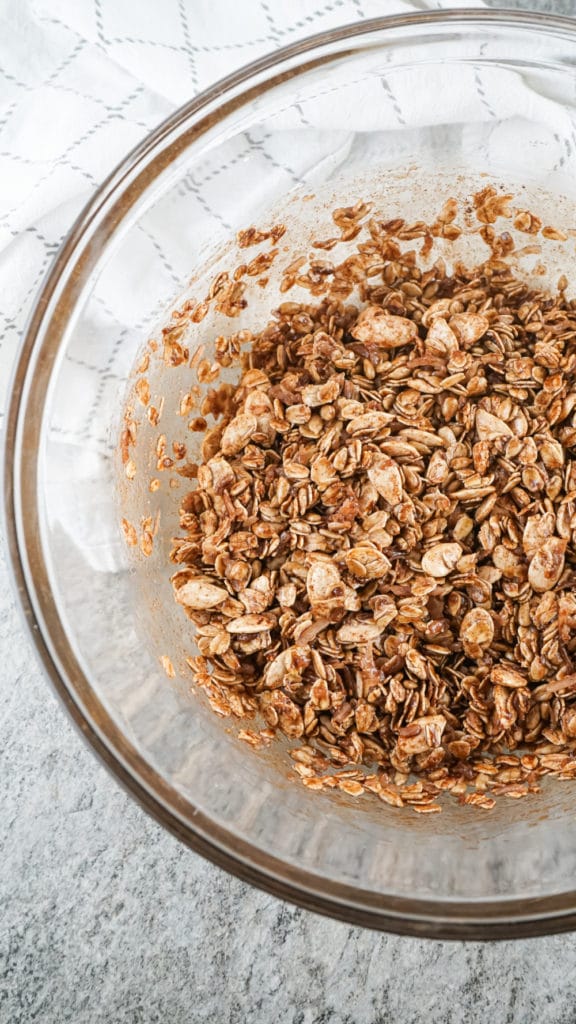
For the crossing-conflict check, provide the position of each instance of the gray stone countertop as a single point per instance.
(106, 919)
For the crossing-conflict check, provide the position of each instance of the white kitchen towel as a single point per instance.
(82, 81)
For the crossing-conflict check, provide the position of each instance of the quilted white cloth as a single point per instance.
(82, 81)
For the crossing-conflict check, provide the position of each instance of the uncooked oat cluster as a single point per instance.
(379, 554)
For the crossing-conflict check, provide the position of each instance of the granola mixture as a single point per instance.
(379, 554)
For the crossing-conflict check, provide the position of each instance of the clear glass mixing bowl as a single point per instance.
(436, 95)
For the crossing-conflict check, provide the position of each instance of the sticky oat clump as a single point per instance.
(379, 554)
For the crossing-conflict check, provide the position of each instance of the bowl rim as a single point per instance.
(497, 919)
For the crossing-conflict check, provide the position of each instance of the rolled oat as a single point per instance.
(379, 555)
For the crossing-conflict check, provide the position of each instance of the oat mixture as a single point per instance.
(379, 554)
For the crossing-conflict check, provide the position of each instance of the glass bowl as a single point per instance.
(404, 109)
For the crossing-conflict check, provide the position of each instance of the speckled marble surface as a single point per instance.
(105, 919)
